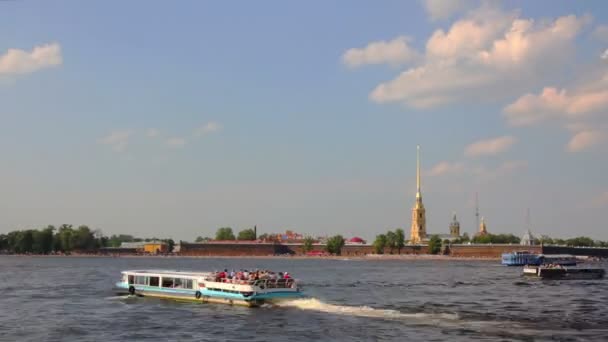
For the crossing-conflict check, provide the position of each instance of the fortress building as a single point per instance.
(418, 230)
(455, 227)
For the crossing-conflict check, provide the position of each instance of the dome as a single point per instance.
(356, 239)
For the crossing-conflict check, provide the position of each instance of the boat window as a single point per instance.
(131, 279)
(154, 281)
(188, 284)
(141, 280)
(177, 282)
(167, 282)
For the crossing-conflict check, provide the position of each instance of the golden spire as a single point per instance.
(418, 195)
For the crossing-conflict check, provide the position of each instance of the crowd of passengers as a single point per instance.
(245, 276)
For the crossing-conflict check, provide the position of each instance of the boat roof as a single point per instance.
(169, 272)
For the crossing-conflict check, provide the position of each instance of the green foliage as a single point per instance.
(400, 239)
(247, 234)
(380, 243)
(116, 240)
(496, 238)
(581, 241)
(394, 240)
(335, 244)
(307, 246)
(434, 244)
(224, 233)
(391, 241)
(202, 239)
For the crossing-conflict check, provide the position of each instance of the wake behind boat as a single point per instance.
(235, 288)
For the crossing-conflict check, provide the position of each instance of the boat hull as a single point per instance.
(564, 273)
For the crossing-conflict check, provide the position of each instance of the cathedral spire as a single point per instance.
(418, 195)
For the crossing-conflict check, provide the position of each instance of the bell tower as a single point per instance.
(418, 229)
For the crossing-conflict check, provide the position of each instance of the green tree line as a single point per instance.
(64, 239)
(393, 240)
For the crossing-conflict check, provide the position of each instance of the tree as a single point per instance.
(117, 240)
(224, 233)
(435, 244)
(400, 236)
(581, 241)
(170, 244)
(43, 240)
(247, 234)
(83, 239)
(202, 239)
(379, 244)
(391, 241)
(335, 244)
(307, 245)
(3, 242)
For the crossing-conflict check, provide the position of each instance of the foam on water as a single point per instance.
(314, 304)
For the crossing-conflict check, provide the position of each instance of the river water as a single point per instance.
(71, 299)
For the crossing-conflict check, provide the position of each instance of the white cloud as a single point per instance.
(207, 128)
(489, 146)
(585, 139)
(556, 103)
(17, 61)
(152, 133)
(445, 167)
(394, 52)
(604, 55)
(444, 9)
(490, 52)
(176, 142)
(117, 140)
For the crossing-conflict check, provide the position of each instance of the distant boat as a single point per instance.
(522, 258)
(566, 273)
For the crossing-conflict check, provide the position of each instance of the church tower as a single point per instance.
(483, 230)
(455, 227)
(418, 230)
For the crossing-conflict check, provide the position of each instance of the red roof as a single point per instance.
(357, 240)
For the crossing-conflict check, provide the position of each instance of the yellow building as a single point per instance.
(156, 247)
(418, 229)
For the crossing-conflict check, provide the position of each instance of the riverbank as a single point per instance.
(371, 257)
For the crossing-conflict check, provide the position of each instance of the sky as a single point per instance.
(164, 119)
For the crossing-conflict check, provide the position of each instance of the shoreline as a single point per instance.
(404, 257)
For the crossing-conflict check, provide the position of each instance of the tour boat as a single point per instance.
(521, 258)
(210, 287)
(560, 272)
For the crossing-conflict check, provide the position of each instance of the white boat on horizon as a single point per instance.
(244, 288)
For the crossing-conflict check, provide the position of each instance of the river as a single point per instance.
(71, 299)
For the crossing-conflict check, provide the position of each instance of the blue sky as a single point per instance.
(163, 119)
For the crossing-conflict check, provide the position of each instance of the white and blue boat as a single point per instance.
(523, 258)
(209, 287)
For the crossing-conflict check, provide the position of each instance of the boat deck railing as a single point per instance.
(261, 283)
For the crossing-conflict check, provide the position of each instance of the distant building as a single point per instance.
(136, 245)
(355, 241)
(528, 239)
(455, 227)
(483, 230)
(418, 229)
(156, 247)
